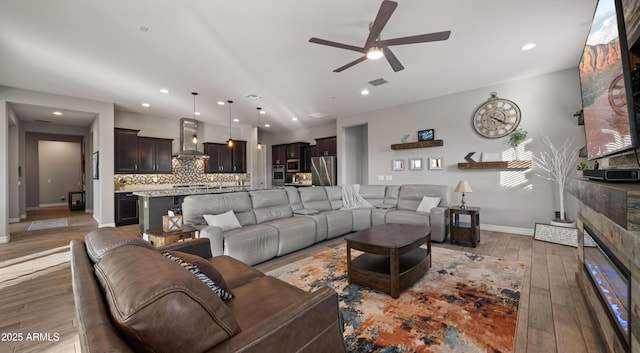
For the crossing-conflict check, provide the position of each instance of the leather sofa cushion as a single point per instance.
(374, 194)
(269, 205)
(159, 306)
(103, 240)
(294, 198)
(315, 198)
(411, 195)
(334, 194)
(195, 206)
(391, 194)
(235, 272)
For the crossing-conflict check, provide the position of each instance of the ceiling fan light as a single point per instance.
(374, 53)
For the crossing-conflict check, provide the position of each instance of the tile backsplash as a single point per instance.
(185, 171)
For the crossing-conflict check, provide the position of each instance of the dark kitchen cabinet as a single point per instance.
(294, 150)
(126, 208)
(125, 150)
(154, 155)
(279, 154)
(327, 146)
(223, 159)
(308, 152)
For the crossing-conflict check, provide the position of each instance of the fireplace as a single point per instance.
(611, 281)
(609, 248)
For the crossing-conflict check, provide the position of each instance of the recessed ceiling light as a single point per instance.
(267, 125)
(263, 112)
(236, 120)
(220, 103)
(57, 113)
(146, 105)
(294, 119)
(164, 91)
(528, 46)
(364, 92)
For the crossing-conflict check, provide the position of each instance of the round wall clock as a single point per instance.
(497, 117)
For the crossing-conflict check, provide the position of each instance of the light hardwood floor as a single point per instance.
(552, 315)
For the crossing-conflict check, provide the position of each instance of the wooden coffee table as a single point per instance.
(393, 259)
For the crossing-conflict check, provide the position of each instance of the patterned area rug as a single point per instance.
(48, 223)
(465, 303)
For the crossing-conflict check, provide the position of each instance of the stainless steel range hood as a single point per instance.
(189, 150)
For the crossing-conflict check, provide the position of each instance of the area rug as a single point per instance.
(465, 303)
(48, 223)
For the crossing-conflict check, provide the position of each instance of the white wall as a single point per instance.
(509, 199)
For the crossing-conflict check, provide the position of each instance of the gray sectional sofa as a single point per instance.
(276, 222)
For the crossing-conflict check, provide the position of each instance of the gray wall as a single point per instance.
(59, 169)
(34, 195)
(510, 200)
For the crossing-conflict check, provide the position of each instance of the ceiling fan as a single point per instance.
(375, 47)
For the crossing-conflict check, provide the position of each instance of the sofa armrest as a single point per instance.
(198, 247)
(312, 325)
(439, 220)
(216, 240)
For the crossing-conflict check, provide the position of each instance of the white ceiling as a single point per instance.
(226, 49)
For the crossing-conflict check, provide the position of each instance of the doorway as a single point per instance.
(356, 147)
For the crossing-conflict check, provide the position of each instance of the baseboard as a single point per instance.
(52, 204)
(107, 225)
(33, 208)
(505, 229)
(88, 210)
(4, 239)
(14, 220)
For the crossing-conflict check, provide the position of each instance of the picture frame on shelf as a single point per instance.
(426, 135)
(435, 163)
(397, 164)
(491, 157)
(415, 164)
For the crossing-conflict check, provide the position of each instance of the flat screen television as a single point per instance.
(605, 82)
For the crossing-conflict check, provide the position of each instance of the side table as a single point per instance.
(465, 231)
(158, 237)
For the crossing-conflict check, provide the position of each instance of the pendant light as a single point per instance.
(194, 138)
(230, 140)
(257, 132)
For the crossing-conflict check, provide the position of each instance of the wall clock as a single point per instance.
(497, 117)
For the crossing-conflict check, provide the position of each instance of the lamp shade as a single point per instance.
(463, 186)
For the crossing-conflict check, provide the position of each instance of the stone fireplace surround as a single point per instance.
(612, 212)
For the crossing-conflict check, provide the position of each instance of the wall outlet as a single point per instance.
(380, 177)
(389, 177)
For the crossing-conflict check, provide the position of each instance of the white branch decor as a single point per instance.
(558, 165)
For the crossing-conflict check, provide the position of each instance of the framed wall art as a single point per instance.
(426, 135)
(415, 164)
(435, 163)
(397, 164)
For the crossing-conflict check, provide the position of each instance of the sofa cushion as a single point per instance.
(294, 198)
(270, 204)
(195, 206)
(203, 270)
(235, 272)
(158, 306)
(334, 195)
(407, 217)
(374, 194)
(224, 221)
(294, 233)
(315, 198)
(428, 203)
(410, 196)
(103, 240)
(251, 245)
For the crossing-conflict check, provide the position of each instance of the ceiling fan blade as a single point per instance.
(336, 45)
(420, 38)
(384, 14)
(357, 61)
(393, 60)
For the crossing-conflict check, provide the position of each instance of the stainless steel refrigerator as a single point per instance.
(323, 171)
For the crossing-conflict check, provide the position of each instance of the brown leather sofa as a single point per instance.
(131, 298)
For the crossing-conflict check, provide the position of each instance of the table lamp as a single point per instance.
(463, 187)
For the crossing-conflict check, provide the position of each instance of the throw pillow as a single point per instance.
(203, 270)
(428, 203)
(225, 221)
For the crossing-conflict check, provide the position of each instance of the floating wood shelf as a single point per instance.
(496, 165)
(419, 144)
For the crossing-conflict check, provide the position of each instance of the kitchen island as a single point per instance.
(153, 204)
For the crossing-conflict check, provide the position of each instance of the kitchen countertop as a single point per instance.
(190, 191)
